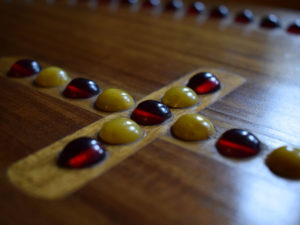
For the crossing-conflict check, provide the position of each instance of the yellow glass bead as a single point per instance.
(120, 131)
(52, 77)
(285, 162)
(114, 100)
(180, 97)
(192, 127)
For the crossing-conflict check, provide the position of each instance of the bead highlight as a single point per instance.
(270, 22)
(244, 17)
(174, 5)
(196, 8)
(219, 12)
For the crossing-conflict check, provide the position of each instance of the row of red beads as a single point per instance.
(245, 16)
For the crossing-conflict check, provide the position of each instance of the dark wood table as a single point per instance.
(142, 51)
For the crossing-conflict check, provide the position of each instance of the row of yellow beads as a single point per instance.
(189, 127)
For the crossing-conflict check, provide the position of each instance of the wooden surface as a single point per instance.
(163, 183)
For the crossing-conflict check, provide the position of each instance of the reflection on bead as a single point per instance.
(80, 153)
(120, 131)
(180, 97)
(174, 5)
(114, 100)
(52, 77)
(237, 143)
(246, 16)
(204, 83)
(151, 3)
(270, 22)
(151, 112)
(196, 7)
(81, 88)
(24, 68)
(192, 127)
(285, 162)
(219, 12)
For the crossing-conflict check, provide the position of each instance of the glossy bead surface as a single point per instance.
(219, 12)
(270, 22)
(151, 112)
(180, 97)
(174, 5)
(120, 131)
(196, 8)
(237, 143)
(52, 77)
(80, 153)
(81, 88)
(204, 83)
(192, 127)
(114, 100)
(294, 28)
(24, 68)
(244, 17)
(285, 162)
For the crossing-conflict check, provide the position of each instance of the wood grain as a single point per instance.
(142, 51)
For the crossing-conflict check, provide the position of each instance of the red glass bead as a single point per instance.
(204, 83)
(151, 112)
(270, 22)
(151, 3)
(219, 12)
(237, 143)
(80, 153)
(24, 68)
(81, 88)
(174, 5)
(294, 28)
(196, 8)
(246, 16)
